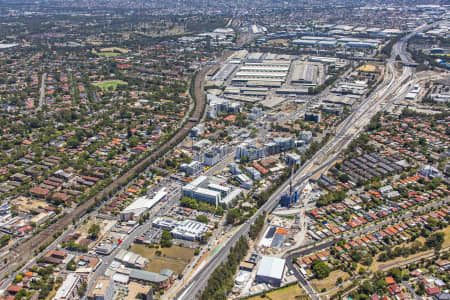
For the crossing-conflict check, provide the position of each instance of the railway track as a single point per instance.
(24, 252)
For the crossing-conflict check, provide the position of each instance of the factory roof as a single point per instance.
(271, 267)
(147, 276)
(145, 201)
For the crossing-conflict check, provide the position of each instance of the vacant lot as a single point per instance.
(108, 54)
(287, 293)
(175, 258)
(279, 41)
(109, 84)
(379, 265)
(330, 281)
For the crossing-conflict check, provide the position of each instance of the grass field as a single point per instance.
(114, 49)
(287, 293)
(330, 281)
(107, 54)
(107, 84)
(376, 265)
(175, 258)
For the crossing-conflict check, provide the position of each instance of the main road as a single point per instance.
(384, 97)
(346, 132)
(23, 254)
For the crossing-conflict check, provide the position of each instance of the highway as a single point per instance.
(348, 130)
(385, 95)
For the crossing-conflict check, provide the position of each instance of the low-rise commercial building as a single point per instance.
(189, 230)
(270, 270)
(103, 289)
(68, 289)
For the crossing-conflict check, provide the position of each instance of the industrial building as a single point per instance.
(130, 259)
(161, 281)
(263, 71)
(189, 230)
(135, 210)
(214, 192)
(270, 270)
(225, 72)
(305, 73)
(244, 181)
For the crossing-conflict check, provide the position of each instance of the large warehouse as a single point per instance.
(142, 205)
(270, 270)
(267, 70)
(305, 73)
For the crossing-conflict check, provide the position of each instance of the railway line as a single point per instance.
(23, 253)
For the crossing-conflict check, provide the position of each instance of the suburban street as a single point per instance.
(348, 130)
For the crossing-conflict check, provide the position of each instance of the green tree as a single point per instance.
(320, 269)
(94, 230)
(435, 240)
(202, 219)
(232, 215)
(166, 239)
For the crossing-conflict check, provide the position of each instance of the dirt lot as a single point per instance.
(330, 281)
(105, 226)
(288, 293)
(175, 258)
(27, 204)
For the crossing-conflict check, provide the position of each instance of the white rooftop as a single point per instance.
(146, 202)
(271, 267)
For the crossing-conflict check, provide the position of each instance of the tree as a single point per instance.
(202, 219)
(435, 240)
(82, 289)
(233, 215)
(320, 269)
(166, 239)
(18, 278)
(4, 240)
(94, 230)
(71, 266)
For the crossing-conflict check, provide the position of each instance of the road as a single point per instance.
(385, 95)
(42, 91)
(348, 130)
(154, 213)
(21, 255)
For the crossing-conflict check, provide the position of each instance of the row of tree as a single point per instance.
(221, 280)
(255, 229)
